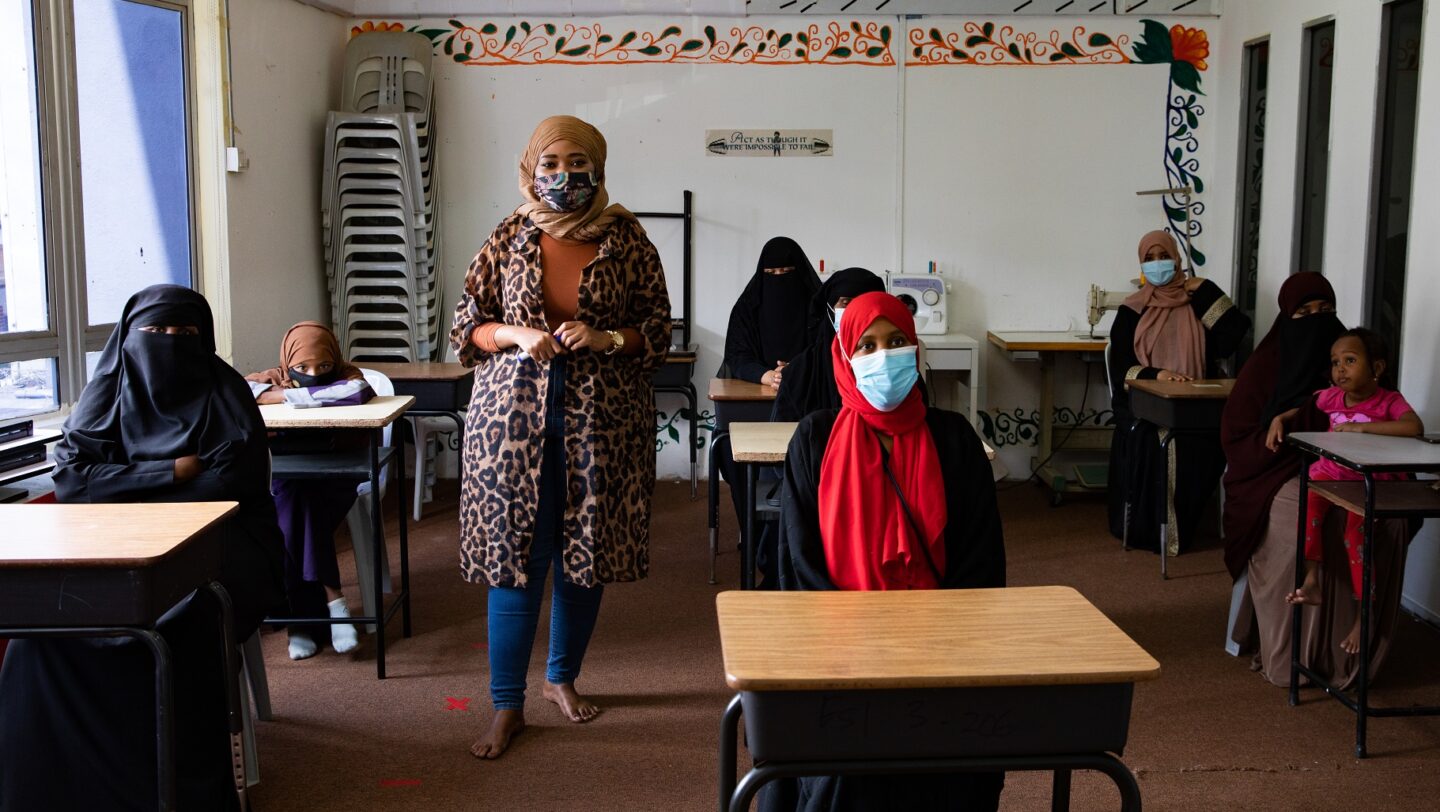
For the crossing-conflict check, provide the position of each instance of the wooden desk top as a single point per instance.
(125, 536)
(760, 442)
(419, 371)
(1047, 341)
(1370, 451)
(736, 389)
(378, 413)
(821, 641)
(768, 442)
(1208, 389)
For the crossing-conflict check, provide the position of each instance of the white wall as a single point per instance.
(286, 62)
(1018, 181)
(1349, 210)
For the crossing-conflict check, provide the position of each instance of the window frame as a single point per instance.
(1308, 35)
(70, 335)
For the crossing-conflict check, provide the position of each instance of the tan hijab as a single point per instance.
(585, 225)
(1168, 336)
(307, 341)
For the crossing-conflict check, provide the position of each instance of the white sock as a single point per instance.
(301, 646)
(342, 635)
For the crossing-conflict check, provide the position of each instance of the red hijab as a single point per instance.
(869, 543)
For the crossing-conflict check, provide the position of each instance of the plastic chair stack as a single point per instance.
(378, 202)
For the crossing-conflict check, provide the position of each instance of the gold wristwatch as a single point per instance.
(617, 341)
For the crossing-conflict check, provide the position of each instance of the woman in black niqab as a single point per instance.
(771, 321)
(85, 707)
(809, 381)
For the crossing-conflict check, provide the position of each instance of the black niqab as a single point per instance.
(771, 321)
(1304, 359)
(155, 396)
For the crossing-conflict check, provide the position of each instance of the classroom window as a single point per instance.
(1315, 147)
(1255, 68)
(66, 267)
(1400, 81)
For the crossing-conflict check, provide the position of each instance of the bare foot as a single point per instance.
(1309, 591)
(1351, 643)
(575, 707)
(504, 727)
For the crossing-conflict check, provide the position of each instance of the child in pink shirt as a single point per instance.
(1359, 361)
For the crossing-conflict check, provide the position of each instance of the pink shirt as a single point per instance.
(1381, 407)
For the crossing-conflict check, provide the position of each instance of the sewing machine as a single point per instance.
(1101, 301)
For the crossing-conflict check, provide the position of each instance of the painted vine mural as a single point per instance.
(868, 43)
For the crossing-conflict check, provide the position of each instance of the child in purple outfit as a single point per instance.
(1359, 363)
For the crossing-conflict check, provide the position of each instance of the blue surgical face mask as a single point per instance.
(886, 377)
(836, 312)
(1158, 271)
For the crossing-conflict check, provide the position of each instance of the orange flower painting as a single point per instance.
(370, 25)
(1190, 45)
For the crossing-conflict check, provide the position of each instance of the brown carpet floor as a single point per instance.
(1210, 734)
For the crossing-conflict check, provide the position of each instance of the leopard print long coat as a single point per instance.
(609, 411)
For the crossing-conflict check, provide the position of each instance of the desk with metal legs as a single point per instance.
(1367, 455)
(113, 570)
(834, 683)
(1175, 408)
(735, 400)
(371, 418)
(754, 445)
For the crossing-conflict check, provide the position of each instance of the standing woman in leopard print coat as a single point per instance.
(565, 318)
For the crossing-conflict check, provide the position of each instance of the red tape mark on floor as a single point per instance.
(461, 703)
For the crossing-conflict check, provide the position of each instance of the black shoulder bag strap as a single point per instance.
(910, 518)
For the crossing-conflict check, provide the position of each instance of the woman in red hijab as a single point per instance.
(886, 493)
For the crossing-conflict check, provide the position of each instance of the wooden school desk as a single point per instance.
(440, 389)
(955, 680)
(1367, 455)
(366, 463)
(734, 400)
(753, 445)
(112, 570)
(1175, 408)
(673, 378)
(1044, 347)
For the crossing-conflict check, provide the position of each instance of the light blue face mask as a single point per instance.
(835, 313)
(1158, 271)
(886, 377)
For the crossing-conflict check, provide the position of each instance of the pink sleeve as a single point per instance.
(1396, 406)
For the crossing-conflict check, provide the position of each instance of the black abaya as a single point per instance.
(77, 727)
(808, 384)
(974, 559)
(1137, 468)
(771, 321)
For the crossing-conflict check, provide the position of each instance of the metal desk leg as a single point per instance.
(1299, 580)
(232, 687)
(403, 521)
(1362, 690)
(1060, 792)
(164, 715)
(747, 556)
(376, 528)
(713, 498)
(1167, 436)
(729, 745)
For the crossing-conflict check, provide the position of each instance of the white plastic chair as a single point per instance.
(361, 537)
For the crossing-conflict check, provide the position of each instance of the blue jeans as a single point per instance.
(514, 612)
